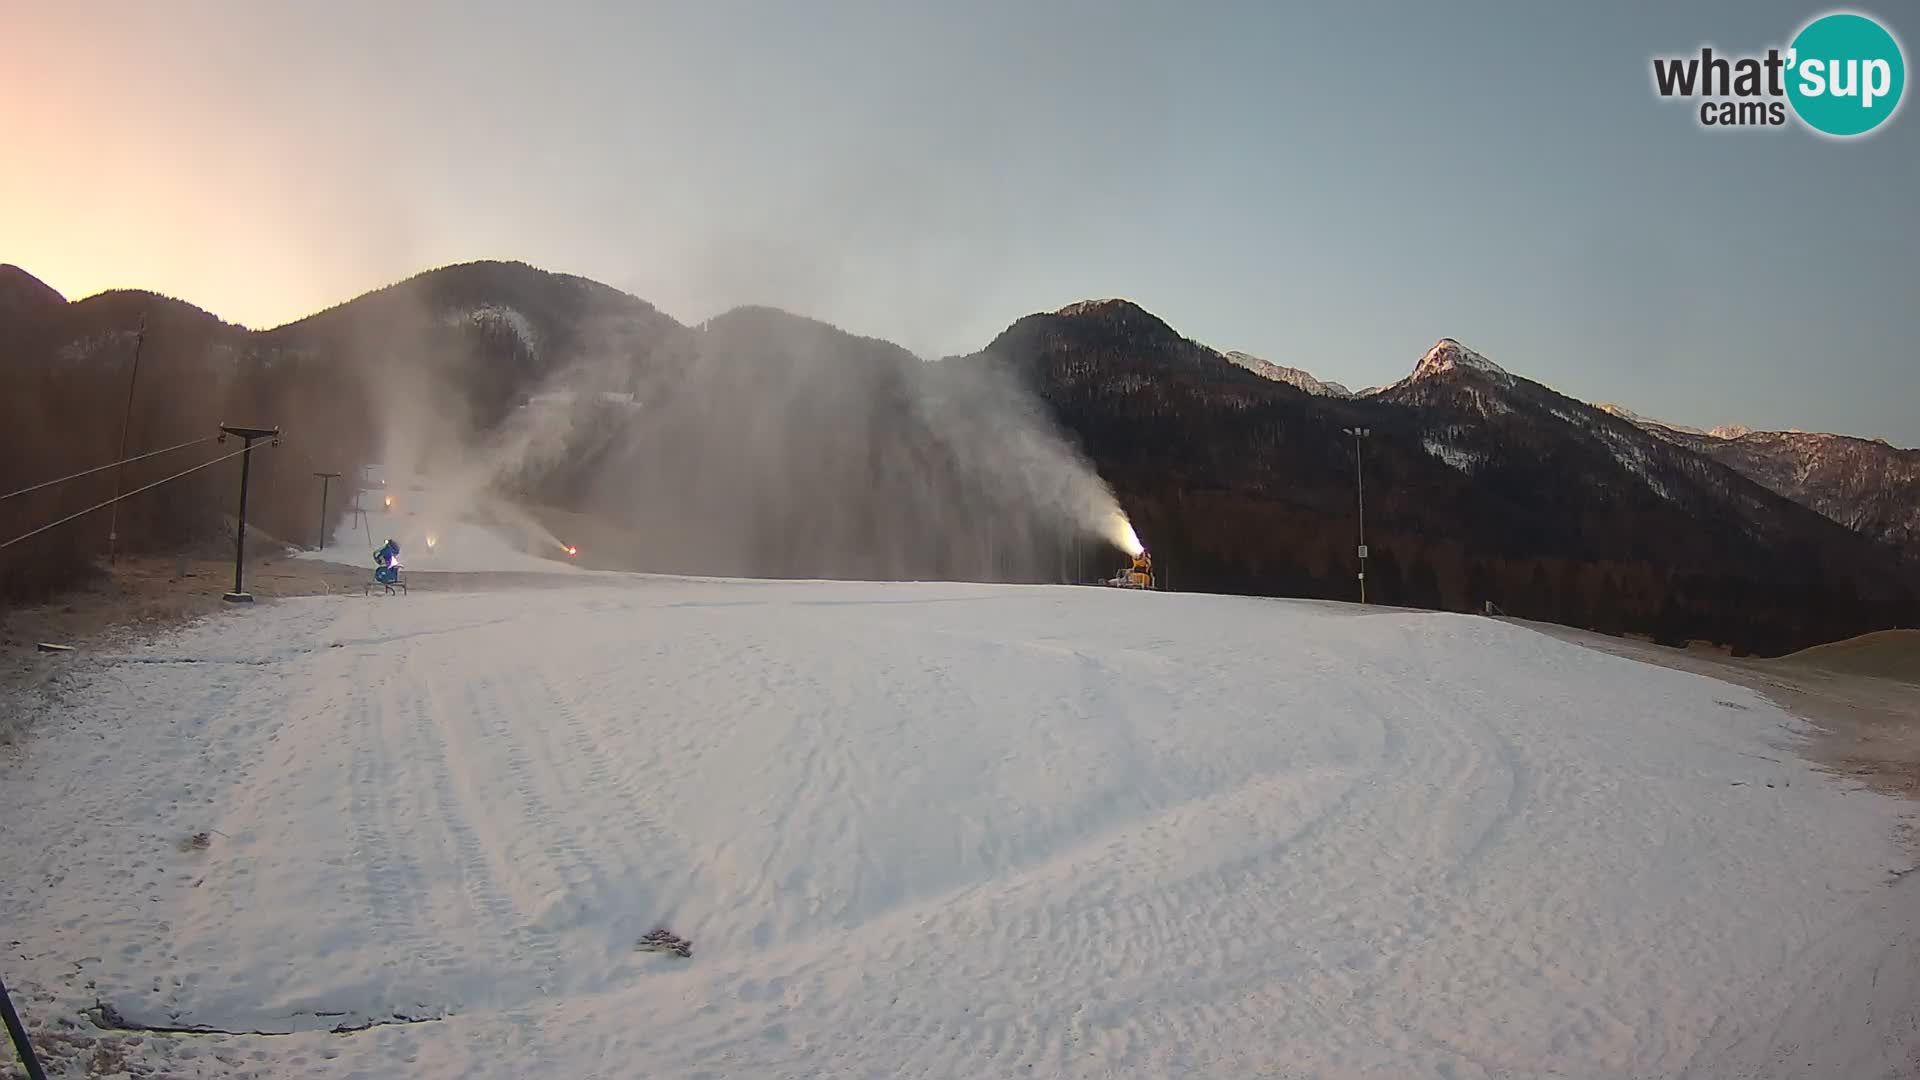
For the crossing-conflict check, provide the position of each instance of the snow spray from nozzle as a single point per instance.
(1118, 531)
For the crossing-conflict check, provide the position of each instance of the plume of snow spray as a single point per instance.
(1036, 482)
(1119, 532)
(766, 444)
(465, 466)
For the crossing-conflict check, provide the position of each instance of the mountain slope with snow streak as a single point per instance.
(1474, 414)
(1650, 424)
(947, 831)
(1292, 376)
(1865, 484)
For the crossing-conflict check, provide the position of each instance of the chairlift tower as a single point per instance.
(359, 512)
(240, 595)
(326, 478)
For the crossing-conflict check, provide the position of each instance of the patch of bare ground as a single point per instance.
(1884, 654)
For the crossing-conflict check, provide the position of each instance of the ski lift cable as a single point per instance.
(109, 465)
(117, 498)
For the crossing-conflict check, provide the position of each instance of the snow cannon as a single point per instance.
(386, 563)
(386, 569)
(1137, 576)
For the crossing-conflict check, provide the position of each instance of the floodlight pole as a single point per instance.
(325, 479)
(240, 595)
(1360, 487)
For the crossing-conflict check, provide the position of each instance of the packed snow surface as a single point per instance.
(941, 830)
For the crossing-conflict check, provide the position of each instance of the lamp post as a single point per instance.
(240, 595)
(1360, 488)
(325, 479)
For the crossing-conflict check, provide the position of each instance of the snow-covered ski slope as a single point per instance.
(433, 540)
(942, 830)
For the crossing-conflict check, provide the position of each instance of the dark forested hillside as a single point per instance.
(22, 294)
(441, 354)
(64, 377)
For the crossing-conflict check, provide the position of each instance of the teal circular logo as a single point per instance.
(1845, 74)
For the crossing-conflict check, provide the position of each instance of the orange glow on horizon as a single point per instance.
(127, 168)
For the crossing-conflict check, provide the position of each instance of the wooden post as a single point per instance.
(18, 1031)
(126, 421)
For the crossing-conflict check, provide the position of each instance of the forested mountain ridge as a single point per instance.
(764, 442)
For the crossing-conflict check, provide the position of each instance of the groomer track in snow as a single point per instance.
(944, 831)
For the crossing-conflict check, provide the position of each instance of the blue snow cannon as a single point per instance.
(386, 563)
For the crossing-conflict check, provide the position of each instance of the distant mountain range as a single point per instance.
(1481, 485)
(1868, 485)
(764, 442)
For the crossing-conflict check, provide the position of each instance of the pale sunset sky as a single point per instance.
(1327, 186)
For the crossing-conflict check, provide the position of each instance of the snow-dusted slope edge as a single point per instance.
(1648, 423)
(941, 831)
(1718, 431)
(1290, 375)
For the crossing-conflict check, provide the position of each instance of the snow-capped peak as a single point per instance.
(1448, 354)
(1290, 375)
(1730, 431)
(1094, 307)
